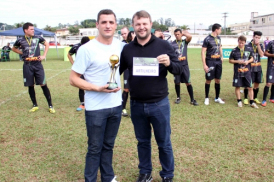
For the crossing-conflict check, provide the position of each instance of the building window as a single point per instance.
(255, 21)
(270, 19)
(263, 20)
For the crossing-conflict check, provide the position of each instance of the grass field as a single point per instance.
(210, 143)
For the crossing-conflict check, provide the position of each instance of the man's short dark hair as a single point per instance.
(177, 30)
(105, 12)
(27, 25)
(242, 38)
(142, 14)
(84, 40)
(257, 33)
(215, 26)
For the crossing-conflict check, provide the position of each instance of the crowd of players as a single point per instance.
(149, 102)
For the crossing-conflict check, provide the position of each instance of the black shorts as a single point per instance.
(126, 75)
(33, 73)
(216, 72)
(257, 77)
(270, 75)
(242, 81)
(184, 77)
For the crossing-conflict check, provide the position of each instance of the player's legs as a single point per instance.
(207, 88)
(124, 102)
(266, 90)
(28, 75)
(177, 80)
(40, 79)
(218, 75)
(238, 96)
(272, 94)
(81, 98)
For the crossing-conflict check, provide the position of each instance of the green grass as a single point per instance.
(210, 143)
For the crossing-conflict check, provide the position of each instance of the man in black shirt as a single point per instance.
(72, 51)
(180, 47)
(5, 55)
(148, 59)
(269, 52)
(256, 68)
(242, 57)
(212, 62)
(33, 71)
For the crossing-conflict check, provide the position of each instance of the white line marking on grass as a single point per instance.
(18, 95)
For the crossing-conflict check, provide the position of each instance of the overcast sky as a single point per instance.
(53, 12)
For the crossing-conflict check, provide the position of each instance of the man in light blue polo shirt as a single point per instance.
(103, 106)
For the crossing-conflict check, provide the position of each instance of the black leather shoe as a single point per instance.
(194, 102)
(166, 179)
(144, 178)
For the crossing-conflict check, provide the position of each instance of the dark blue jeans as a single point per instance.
(102, 128)
(157, 115)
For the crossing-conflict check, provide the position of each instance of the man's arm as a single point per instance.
(76, 81)
(260, 51)
(17, 50)
(46, 44)
(267, 54)
(123, 63)
(170, 61)
(221, 53)
(70, 58)
(188, 36)
(203, 59)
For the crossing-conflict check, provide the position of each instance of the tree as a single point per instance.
(185, 27)
(210, 27)
(169, 22)
(88, 23)
(157, 25)
(74, 30)
(49, 28)
(18, 25)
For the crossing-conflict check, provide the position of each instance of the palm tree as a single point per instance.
(185, 27)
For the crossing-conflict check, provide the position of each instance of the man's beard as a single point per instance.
(144, 37)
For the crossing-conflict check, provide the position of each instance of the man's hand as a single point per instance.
(104, 89)
(206, 68)
(164, 59)
(222, 59)
(257, 42)
(40, 58)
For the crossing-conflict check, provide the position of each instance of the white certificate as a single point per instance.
(145, 66)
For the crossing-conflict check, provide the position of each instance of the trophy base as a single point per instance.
(112, 85)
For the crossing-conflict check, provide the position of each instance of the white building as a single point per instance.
(88, 32)
(263, 23)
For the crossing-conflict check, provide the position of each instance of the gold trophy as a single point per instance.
(114, 59)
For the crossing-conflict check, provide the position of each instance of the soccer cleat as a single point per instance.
(124, 112)
(167, 179)
(253, 105)
(246, 102)
(257, 101)
(264, 103)
(80, 108)
(206, 101)
(144, 178)
(178, 100)
(240, 104)
(271, 100)
(51, 110)
(114, 179)
(194, 102)
(34, 109)
(219, 100)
